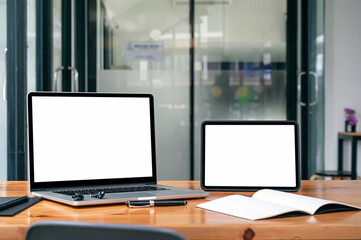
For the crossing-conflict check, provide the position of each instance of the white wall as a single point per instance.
(342, 75)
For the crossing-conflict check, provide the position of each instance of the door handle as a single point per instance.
(75, 82)
(316, 88)
(55, 81)
(299, 88)
(5, 76)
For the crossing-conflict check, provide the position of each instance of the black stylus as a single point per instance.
(156, 203)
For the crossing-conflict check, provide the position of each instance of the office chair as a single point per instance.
(59, 230)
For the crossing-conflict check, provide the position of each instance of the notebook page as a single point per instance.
(300, 202)
(245, 207)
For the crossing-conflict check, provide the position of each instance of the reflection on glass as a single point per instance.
(317, 130)
(31, 39)
(3, 112)
(240, 69)
(57, 56)
(144, 47)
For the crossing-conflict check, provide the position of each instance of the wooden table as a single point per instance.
(195, 223)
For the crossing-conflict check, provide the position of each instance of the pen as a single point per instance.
(155, 203)
(14, 202)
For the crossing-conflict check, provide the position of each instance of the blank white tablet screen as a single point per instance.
(250, 155)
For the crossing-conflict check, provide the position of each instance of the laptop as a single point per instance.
(95, 148)
(250, 155)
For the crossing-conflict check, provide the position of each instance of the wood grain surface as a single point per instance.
(195, 223)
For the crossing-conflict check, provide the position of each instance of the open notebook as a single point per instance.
(268, 203)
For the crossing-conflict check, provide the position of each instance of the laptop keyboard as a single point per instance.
(111, 190)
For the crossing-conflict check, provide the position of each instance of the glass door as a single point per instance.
(311, 87)
(242, 70)
(61, 27)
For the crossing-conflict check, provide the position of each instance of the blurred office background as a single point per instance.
(214, 59)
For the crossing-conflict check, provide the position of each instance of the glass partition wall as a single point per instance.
(239, 65)
(201, 59)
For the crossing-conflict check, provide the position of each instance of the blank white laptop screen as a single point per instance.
(241, 155)
(81, 138)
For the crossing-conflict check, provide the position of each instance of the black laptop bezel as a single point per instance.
(249, 188)
(79, 183)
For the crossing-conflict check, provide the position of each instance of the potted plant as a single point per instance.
(350, 120)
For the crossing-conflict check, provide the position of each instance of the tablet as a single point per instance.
(249, 155)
